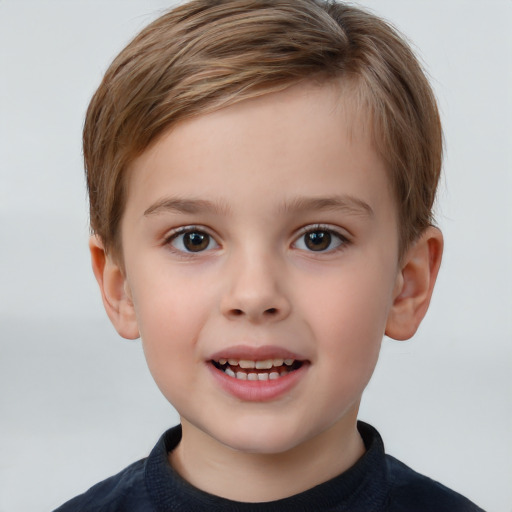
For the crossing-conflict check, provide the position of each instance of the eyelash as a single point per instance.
(341, 240)
(181, 232)
(334, 236)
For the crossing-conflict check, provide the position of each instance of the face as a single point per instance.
(260, 247)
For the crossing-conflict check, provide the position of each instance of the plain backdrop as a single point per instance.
(77, 403)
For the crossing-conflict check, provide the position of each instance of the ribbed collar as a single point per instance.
(363, 487)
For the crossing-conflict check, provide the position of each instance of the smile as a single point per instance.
(257, 370)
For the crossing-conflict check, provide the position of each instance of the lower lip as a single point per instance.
(258, 390)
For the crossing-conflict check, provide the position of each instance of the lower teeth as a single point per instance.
(262, 376)
(271, 374)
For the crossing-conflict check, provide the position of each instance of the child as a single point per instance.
(261, 176)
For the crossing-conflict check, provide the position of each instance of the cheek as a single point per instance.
(168, 303)
(348, 316)
(170, 314)
(351, 304)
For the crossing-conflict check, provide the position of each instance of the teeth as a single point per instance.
(278, 368)
(264, 365)
(259, 365)
(253, 376)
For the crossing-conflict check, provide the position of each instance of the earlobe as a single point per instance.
(115, 290)
(415, 284)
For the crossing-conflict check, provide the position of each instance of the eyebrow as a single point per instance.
(181, 205)
(344, 203)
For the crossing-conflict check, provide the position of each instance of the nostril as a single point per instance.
(269, 313)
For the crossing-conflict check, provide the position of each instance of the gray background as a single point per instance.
(77, 403)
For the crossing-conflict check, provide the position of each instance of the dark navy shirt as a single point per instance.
(376, 483)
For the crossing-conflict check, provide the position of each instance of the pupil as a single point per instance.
(318, 240)
(195, 242)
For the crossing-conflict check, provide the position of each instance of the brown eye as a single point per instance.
(193, 241)
(320, 239)
(317, 240)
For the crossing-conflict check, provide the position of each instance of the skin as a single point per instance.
(253, 178)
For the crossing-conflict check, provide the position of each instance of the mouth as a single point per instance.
(257, 370)
(258, 374)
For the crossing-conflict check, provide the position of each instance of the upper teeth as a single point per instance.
(259, 365)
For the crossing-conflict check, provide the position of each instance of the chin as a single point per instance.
(262, 446)
(261, 438)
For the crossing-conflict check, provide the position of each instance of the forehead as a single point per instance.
(291, 141)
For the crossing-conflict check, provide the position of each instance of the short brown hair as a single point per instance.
(207, 54)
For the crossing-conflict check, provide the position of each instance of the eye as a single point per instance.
(192, 240)
(320, 239)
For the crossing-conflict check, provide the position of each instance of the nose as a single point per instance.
(255, 291)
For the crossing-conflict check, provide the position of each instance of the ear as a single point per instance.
(115, 291)
(415, 284)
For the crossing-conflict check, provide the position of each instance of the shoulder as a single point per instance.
(119, 492)
(410, 490)
(134, 489)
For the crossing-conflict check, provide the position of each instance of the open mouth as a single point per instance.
(268, 369)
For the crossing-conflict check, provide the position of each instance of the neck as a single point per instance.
(252, 477)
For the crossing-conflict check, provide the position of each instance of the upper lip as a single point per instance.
(253, 353)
